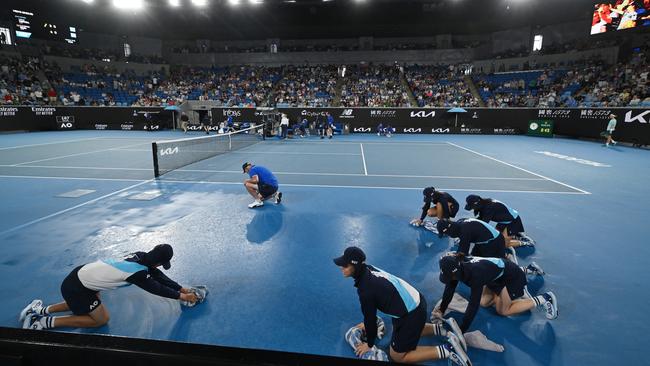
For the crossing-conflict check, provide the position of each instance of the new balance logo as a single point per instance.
(423, 114)
(169, 151)
(639, 118)
(347, 112)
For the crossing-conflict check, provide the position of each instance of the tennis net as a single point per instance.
(174, 154)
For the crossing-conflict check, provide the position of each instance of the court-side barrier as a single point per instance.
(633, 123)
(22, 347)
(45, 118)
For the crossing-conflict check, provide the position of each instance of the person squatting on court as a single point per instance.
(382, 291)
(81, 288)
(262, 184)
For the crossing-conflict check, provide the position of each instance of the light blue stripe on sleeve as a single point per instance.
(125, 266)
(409, 301)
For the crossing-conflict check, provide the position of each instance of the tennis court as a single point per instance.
(273, 283)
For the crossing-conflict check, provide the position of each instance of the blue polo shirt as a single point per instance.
(264, 175)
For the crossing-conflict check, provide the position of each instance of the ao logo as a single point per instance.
(361, 129)
(169, 151)
(412, 130)
(423, 114)
(66, 125)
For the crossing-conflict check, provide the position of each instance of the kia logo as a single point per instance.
(639, 118)
(412, 130)
(169, 151)
(362, 129)
(440, 130)
(423, 114)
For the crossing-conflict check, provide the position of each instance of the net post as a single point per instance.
(154, 150)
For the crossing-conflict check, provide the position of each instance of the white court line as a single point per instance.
(70, 178)
(73, 207)
(281, 173)
(522, 169)
(74, 167)
(71, 155)
(371, 187)
(47, 143)
(367, 142)
(287, 153)
(358, 175)
(363, 157)
(159, 181)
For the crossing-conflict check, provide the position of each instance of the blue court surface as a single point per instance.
(270, 271)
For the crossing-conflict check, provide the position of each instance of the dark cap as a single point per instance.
(243, 166)
(351, 255)
(472, 200)
(428, 191)
(449, 266)
(160, 254)
(443, 226)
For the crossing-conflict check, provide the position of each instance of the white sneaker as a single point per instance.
(256, 204)
(455, 329)
(457, 354)
(32, 322)
(550, 306)
(33, 308)
(278, 198)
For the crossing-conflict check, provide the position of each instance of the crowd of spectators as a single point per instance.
(306, 86)
(439, 86)
(374, 86)
(242, 86)
(23, 81)
(588, 83)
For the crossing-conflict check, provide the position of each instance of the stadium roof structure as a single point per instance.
(294, 19)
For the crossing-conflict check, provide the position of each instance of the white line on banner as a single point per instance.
(516, 167)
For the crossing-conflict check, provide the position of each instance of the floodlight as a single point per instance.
(128, 4)
(174, 3)
(200, 2)
(234, 2)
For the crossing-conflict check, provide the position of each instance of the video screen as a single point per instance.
(23, 23)
(620, 15)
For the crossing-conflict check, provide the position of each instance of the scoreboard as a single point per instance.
(30, 25)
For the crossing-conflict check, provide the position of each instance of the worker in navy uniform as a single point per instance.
(379, 290)
(206, 123)
(81, 288)
(507, 219)
(493, 282)
(488, 242)
(437, 204)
